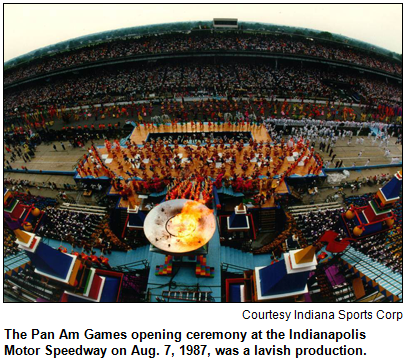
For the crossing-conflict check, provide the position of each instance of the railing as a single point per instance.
(332, 170)
(192, 296)
(36, 171)
(17, 295)
(33, 288)
(228, 266)
(129, 267)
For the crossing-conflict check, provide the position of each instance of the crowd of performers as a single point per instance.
(210, 109)
(197, 189)
(221, 109)
(154, 165)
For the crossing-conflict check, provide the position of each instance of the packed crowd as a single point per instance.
(60, 224)
(10, 248)
(379, 92)
(314, 224)
(23, 148)
(101, 237)
(276, 247)
(208, 42)
(157, 163)
(385, 248)
(123, 84)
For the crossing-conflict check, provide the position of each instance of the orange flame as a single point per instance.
(184, 225)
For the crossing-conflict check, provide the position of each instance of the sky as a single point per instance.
(31, 26)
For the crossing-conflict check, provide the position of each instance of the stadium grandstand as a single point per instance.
(212, 161)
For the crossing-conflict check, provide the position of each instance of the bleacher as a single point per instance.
(74, 218)
(24, 285)
(375, 274)
(334, 282)
(343, 293)
(297, 210)
(317, 218)
(84, 208)
(320, 289)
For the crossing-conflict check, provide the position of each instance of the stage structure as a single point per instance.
(286, 278)
(181, 229)
(69, 272)
(377, 216)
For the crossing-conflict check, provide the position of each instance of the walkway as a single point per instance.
(349, 153)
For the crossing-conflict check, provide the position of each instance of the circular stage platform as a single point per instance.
(179, 226)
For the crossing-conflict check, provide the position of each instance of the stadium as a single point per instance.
(211, 161)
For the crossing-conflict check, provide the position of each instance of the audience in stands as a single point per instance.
(125, 84)
(192, 43)
(315, 223)
(60, 224)
(40, 102)
(385, 248)
(10, 248)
